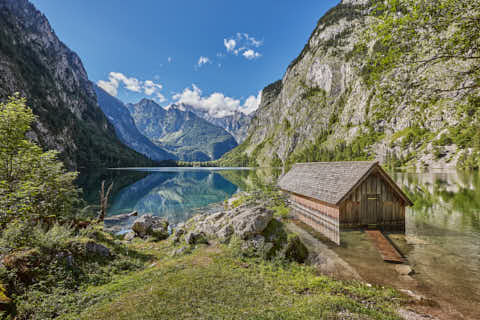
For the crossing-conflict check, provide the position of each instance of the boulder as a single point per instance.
(256, 243)
(181, 251)
(149, 225)
(225, 233)
(129, 236)
(196, 238)
(251, 221)
(404, 270)
(91, 247)
(178, 234)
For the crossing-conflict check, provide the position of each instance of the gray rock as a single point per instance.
(178, 235)
(225, 233)
(404, 270)
(149, 225)
(92, 247)
(256, 243)
(196, 238)
(251, 222)
(181, 251)
(129, 236)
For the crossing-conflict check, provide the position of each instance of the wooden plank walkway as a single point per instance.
(387, 251)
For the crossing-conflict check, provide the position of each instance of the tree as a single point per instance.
(34, 185)
(424, 49)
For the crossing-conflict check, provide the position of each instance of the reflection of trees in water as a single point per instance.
(173, 194)
(90, 182)
(444, 198)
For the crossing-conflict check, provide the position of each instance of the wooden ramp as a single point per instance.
(387, 251)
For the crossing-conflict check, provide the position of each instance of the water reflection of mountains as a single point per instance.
(173, 195)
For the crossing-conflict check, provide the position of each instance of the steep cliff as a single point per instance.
(34, 62)
(328, 106)
(181, 132)
(125, 128)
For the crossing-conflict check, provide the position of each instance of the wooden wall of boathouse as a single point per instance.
(322, 217)
(373, 203)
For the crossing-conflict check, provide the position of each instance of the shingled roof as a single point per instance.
(329, 182)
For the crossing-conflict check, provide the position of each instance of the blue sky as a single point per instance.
(215, 54)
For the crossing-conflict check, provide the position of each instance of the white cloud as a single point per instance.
(160, 98)
(202, 61)
(170, 59)
(115, 79)
(243, 44)
(150, 87)
(230, 44)
(252, 103)
(254, 42)
(250, 54)
(110, 87)
(217, 104)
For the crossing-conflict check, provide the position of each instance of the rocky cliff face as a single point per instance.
(181, 132)
(118, 114)
(236, 124)
(34, 62)
(323, 109)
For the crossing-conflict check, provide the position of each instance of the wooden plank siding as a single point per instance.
(361, 209)
(322, 217)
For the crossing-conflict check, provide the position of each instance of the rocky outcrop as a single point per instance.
(251, 229)
(35, 63)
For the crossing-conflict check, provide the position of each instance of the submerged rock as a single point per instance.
(404, 270)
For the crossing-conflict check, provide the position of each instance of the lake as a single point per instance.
(442, 240)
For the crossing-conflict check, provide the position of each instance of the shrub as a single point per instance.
(34, 185)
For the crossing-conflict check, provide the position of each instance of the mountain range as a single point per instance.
(180, 131)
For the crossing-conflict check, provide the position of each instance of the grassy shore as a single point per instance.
(216, 282)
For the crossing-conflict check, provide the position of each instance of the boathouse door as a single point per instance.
(371, 208)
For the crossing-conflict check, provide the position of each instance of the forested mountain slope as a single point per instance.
(35, 63)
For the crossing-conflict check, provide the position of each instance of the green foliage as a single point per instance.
(281, 211)
(33, 183)
(49, 266)
(357, 150)
(413, 36)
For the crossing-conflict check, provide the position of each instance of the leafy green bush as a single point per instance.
(34, 185)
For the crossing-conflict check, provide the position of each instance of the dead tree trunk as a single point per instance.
(104, 201)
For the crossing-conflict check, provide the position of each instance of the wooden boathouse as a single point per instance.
(330, 196)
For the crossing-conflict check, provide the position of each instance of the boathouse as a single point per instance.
(330, 196)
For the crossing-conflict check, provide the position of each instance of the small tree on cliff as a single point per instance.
(34, 185)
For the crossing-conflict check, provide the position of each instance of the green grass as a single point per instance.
(212, 283)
